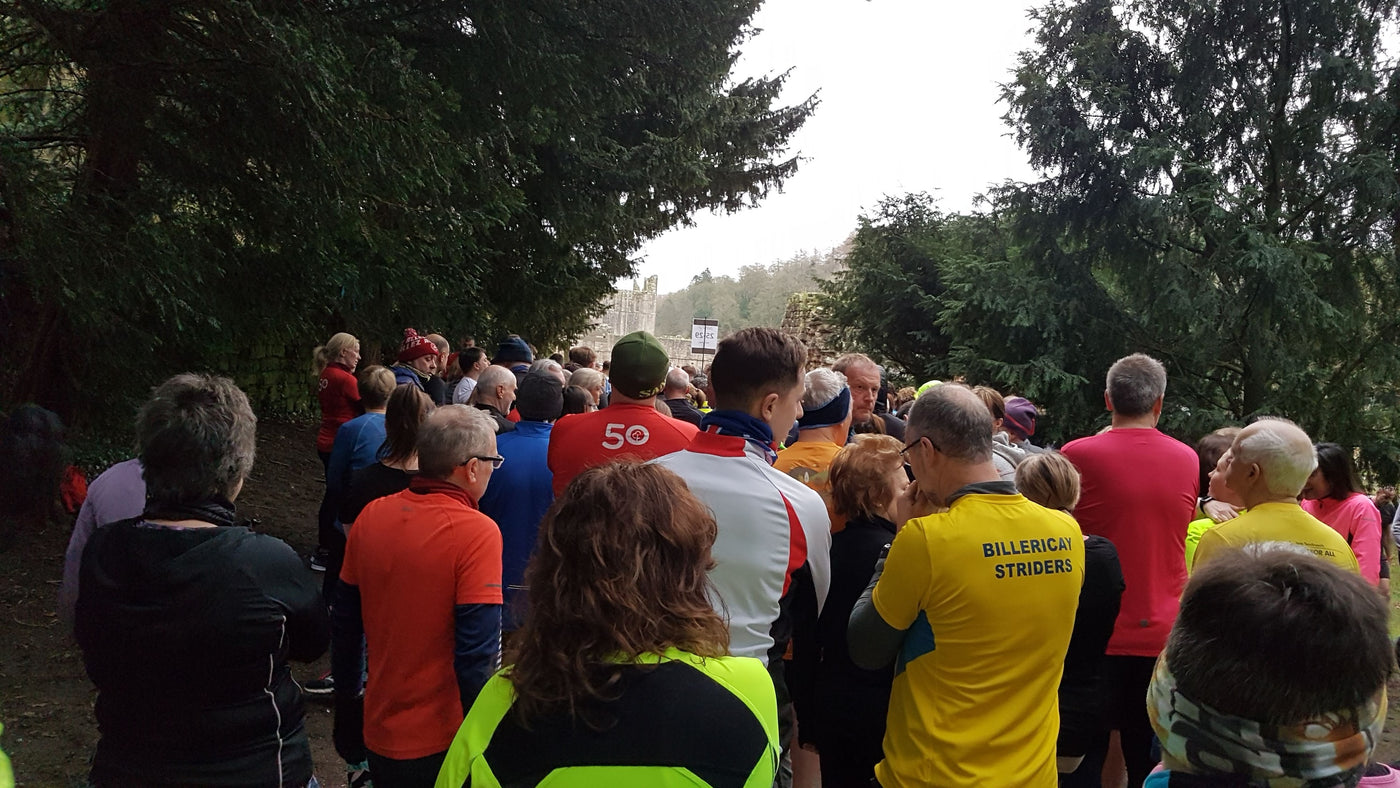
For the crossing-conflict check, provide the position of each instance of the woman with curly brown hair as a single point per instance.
(619, 675)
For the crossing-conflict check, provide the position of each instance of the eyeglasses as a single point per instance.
(495, 461)
(904, 451)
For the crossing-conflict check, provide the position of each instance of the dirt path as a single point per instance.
(45, 698)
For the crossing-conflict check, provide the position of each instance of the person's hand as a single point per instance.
(1219, 511)
(912, 503)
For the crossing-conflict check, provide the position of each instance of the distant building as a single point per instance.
(631, 310)
(634, 309)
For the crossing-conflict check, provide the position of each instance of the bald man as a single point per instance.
(1267, 466)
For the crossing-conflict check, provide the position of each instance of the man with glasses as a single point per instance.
(422, 583)
(977, 602)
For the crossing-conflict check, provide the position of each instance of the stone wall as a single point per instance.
(804, 320)
(276, 377)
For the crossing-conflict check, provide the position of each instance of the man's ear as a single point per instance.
(767, 405)
(1157, 407)
(1107, 403)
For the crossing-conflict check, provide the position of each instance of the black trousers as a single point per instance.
(1125, 681)
(413, 773)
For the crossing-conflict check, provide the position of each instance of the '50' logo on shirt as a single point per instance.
(618, 434)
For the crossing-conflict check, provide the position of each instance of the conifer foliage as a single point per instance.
(1217, 187)
(178, 177)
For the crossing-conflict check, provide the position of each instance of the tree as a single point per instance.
(178, 178)
(888, 299)
(1218, 188)
(1221, 191)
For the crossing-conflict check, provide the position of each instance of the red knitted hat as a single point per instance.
(415, 346)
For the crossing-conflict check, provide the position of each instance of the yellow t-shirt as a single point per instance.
(987, 591)
(809, 462)
(1278, 522)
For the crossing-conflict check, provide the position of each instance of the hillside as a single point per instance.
(757, 297)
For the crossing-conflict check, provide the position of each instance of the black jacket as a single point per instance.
(186, 633)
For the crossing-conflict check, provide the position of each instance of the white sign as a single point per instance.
(704, 335)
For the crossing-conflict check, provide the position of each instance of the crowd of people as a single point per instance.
(551, 571)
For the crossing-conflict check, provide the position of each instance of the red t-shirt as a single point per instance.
(415, 555)
(1139, 491)
(339, 394)
(624, 430)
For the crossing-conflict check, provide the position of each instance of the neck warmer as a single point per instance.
(739, 424)
(828, 415)
(215, 510)
(1329, 750)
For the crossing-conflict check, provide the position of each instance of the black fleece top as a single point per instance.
(186, 632)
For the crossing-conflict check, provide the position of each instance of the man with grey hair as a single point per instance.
(822, 430)
(864, 377)
(422, 584)
(1139, 490)
(1267, 466)
(676, 394)
(941, 602)
(495, 393)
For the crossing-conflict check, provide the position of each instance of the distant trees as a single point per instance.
(757, 297)
(1219, 188)
(180, 177)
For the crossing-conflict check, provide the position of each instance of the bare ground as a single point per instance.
(45, 698)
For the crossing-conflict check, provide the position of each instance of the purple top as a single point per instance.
(119, 493)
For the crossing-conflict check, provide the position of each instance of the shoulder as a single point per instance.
(745, 677)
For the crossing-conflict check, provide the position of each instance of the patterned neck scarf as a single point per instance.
(1324, 752)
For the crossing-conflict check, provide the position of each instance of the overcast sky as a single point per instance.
(909, 102)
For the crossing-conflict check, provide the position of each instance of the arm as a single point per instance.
(873, 642)
(801, 671)
(347, 669)
(285, 580)
(1366, 540)
(477, 643)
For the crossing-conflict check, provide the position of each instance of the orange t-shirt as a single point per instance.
(809, 462)
(637, 432)
(415, 555)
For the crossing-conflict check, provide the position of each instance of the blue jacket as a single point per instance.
(520, 493)
(357, 444)
(406, 374)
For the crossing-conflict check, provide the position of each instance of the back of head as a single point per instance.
(1021, 417)
(376, 384)
(1135, 383)
(1049, 479)
(490, 378)
(451, 435)
(826, 399)
(583, 356)
(196, 439)
(540, 398)
(996, 404)
(408, 406)
(620, 568)
(440, 342)
(860, 474)
(513, 350)
(677, 382)
(639, 365)
(955, 421)
(587, 378)
(1283, 452)
(1210, 448)
(1338, 470)
(752, 363)
(1279, 637)
(576, 400)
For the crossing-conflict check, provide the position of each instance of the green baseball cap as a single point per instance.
(639, 365)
